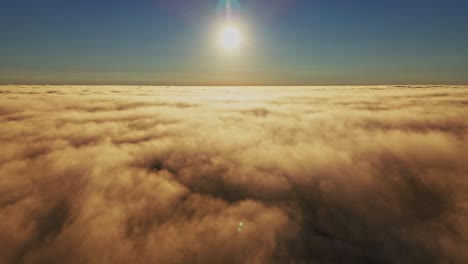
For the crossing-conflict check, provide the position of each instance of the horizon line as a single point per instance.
(231, 85)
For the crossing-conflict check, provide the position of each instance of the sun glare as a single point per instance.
(230, 37)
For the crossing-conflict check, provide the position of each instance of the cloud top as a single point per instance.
(116, 174)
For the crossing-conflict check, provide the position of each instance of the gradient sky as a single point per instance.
(288, 42)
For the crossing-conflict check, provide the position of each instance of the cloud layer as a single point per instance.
(115, 174)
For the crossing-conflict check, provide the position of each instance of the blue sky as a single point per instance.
(288, 42)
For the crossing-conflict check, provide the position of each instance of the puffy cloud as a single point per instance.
(115, 174)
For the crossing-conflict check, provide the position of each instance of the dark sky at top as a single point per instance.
(287, 42)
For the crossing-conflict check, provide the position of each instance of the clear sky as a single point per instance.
(286, 42)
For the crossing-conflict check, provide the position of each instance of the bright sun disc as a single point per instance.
(230, 37)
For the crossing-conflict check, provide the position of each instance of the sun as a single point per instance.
(230, 38)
